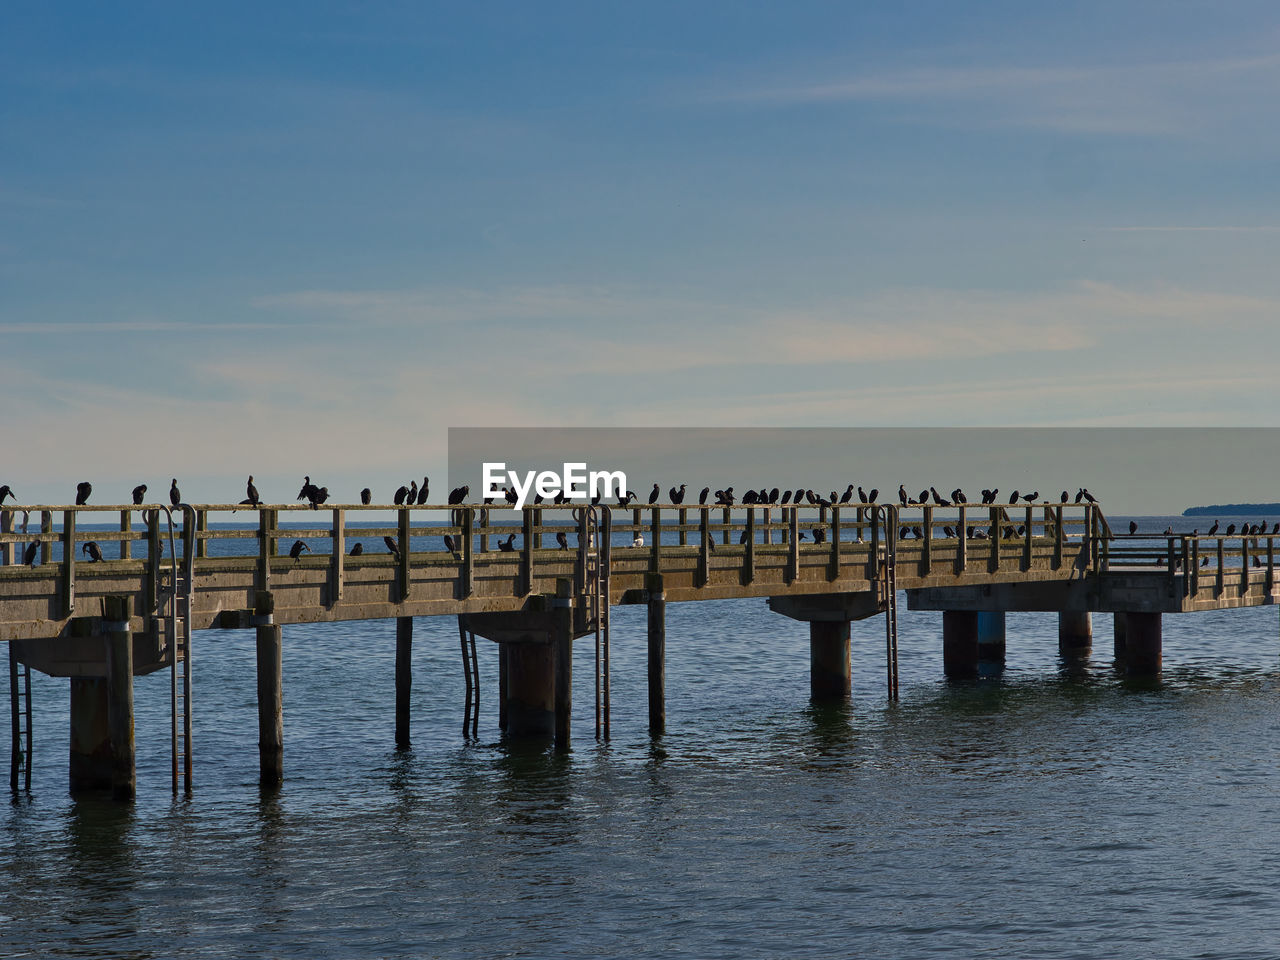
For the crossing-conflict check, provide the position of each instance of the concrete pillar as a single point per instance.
(270, 693)
(1120, 633)
(562, 659)
(830, 669)
(960, 643)
(991, 630)
(124, 769)
(531, 689)
(404, 677)
(657, 655)
(90, 760)
(502, 686)
(1075, 633)
(1142, 644)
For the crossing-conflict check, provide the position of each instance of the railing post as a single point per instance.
(962, 548)
(126, 526)
(725, 519)
(526, 552)
(337, 554)
(405, 548)
(1220, 584)
(266, 547)
(1271, 562)
(704, 550)
(835, 543)
(683, 516)
(154, 557)
(1171, 558)
(1058, 537)
(996, 535)
(655, 531)
(1244, 564)
(46, 526)
(202, 526)
(873, 567)
(793, 545)
(749, 555)
(1195, 566)
(1026, 548)
(68, 562)
(468, 551)
(1185, 558)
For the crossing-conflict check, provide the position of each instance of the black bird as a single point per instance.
(83, 489)
(6, 492)
(1031, 497)
(655, 493)
(726, 496)
(511, 496)
(1256, 561)
(251, 493)
(786, 497)
(862, 496)
(799, 495)
(904, 532)
(819, 535)
(392, 546)
(742, 537)
(1204, 562)
(318, 496)
(357, 550)
(175, 495)
(1065, 496)
(1087, 495)
(458, 494)
(450, 544)
(507, 546)
(677, 496)
(937, 499)
(1013, 498)
(139, 493)
(401, 493)
(623, 500)
(847, 495)
(1231, 528)
(29, 554)
(1133, 527)
(809, 496)
(773, 495)
(749, 497)
(702, 497)
(422, 492)
(1275, 529)
(366, 496)
(902, 494)
(296, 550)
(1079, 494)
(1213, 529)
(949, 532)
(1168, 531)
(957, 495)
(562, 540)
(412, 498)
(871, 497)
(802, 536)
(92, 549)
(305, 492)
(924, 497)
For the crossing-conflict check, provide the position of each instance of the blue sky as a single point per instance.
(310, 239)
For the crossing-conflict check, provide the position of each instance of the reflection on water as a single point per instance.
(958, 820)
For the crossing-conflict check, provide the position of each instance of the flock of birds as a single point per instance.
(412, 494)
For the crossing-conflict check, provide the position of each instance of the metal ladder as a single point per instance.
(20, 704)
(471, 674)
(889, 599)
(596, 552)
(176, 625)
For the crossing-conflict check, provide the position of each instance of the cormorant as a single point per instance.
(366, 496)
(1133, 527)
(357, 550)
(450, 544)
(677, 496)
(654, 494)
(749, 497)
(1014, 497)
(175, 495)
(92, 549)
(401, 492)
(623, 500)
(819, 535)
(871, 497)
(562, 540)
(305, 492)
(1031, 497)
(1065, 496)
(508, 545)
(83, 489)
(924, 497)
(139, 493)
(318, 496)
(6, 492)
(1231, 528)
(412, 498)
(392, 546)
(1079, 494)
(786, 497)
(862, 497)
(847, 495)
(458, 494)
(802, 536)
(1213, 529)
(702, 497)
(949, 532)
(29, 554)
(296, 550)
(250, 491)
(422, 492)
(511, 496)
(773, 495)
(742, 537)
(902, 494)
(1087, 495)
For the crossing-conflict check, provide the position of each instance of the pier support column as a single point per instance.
(1142, 644)
(531, 689)
(1120, 633)
(404, 677)
(657, 655)
(90, 760)
(270, 693)
(502, 686)
(830, 669)
(1075, 633)
(960, 643)
(991, 633)
(562, 658)
(124, 769)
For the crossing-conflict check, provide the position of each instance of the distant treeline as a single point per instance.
(1234, 509)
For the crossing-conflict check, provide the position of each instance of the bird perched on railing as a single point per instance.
(139, 493)
(29, 555)
(175, 495)
(318, 496)
(450, 544)
(1031, 497)
(366, 496)
(677, 496)
(296, 550)
(412, 498)
(1133, 527)
(562, 540)
(655, 493)
(819, 535)
(847, 495)
(422, 492)
(6, 491)
(93, 551)
(305, 492)
(1213, 529)
(508, 545)
(702, 497)
(401, 493)
(357, 550)
(458, 494)
(392, 546)
(83, 489)
(251, 493)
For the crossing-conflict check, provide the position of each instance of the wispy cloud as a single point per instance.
(1172, 97)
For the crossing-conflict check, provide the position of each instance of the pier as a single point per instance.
(548, 578)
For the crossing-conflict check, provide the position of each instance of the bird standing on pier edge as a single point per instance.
(83, 489)
(139, 493)
(93, 550)
(296, 550)
(175, 495)
(422, 492)
(366, 496)
(251, 493)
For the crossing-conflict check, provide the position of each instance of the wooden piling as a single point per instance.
(124, 772)
(1075, 633)
(657, 655)
(404, 677)
(270, 692)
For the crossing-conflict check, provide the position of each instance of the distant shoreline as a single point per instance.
(1234, 509)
